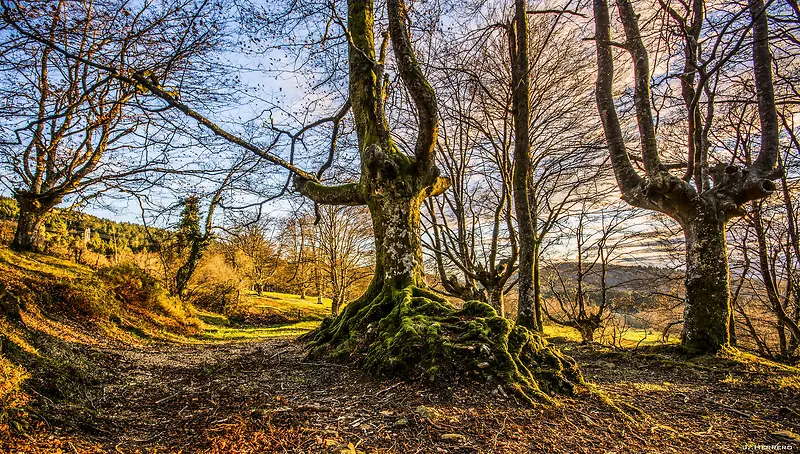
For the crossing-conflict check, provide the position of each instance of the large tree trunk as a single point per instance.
(707, 309)
(26, 237)
(398, 248)
(32, 211)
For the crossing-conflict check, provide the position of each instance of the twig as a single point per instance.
(167, 398)
(731, 409)
(322, 364)
(388, 389)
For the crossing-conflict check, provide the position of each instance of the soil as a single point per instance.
(264, 396)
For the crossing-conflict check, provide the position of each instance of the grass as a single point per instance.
(628, 339)
(288, 305)
(24, 262)
(219, 329)
(228, 334)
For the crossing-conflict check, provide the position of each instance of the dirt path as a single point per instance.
(263, 397)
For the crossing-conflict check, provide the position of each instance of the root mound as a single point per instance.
(414, 334)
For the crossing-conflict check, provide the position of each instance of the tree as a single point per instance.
(581, 290)
(417, 331)
(476, 142)
(766, 287)
(705, 197)
(520, 106)
(298, 243)
(256, 239)
(70, 129)
(343, 237)
(469, 230)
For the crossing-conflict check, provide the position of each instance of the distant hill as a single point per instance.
(633, 287)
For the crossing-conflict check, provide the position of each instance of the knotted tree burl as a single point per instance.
(397, 327)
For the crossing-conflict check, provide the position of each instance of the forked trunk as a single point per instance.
(398, 248)
(707, 309)
(400, 328)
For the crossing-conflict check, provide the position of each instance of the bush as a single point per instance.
(131, 285)
(216, 286)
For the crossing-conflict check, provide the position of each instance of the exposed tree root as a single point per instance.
(413, 333)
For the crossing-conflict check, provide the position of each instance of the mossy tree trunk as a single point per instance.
(494, 296)
(707, 309)
(398, 327)
(26, 237)
(520, 81)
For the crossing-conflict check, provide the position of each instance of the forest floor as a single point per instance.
(263, 396)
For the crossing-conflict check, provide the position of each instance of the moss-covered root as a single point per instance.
(413, 333)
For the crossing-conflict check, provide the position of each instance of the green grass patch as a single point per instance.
(292, 307)
(244, 334)
(629, 338)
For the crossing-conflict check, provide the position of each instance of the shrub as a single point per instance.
(216, 286)
(131, 285)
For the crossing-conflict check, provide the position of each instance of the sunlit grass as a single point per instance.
(257, 333)
(43, 264)
(289, 305)
(628, 338)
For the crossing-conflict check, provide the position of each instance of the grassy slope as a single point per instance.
(69, 310)
(296, 316)
(54, 314)
(630, 338)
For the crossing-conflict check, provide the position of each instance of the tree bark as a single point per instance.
(32, 211)
(27, 235)
(494, 296)
(707, 308)
(520, 81)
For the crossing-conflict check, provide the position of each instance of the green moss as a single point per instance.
(414, 334)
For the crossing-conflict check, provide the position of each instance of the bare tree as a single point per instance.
(256, 239)
(581, 290)
(704, 197)
(471, 230)
(343, 242)
(70, 129)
